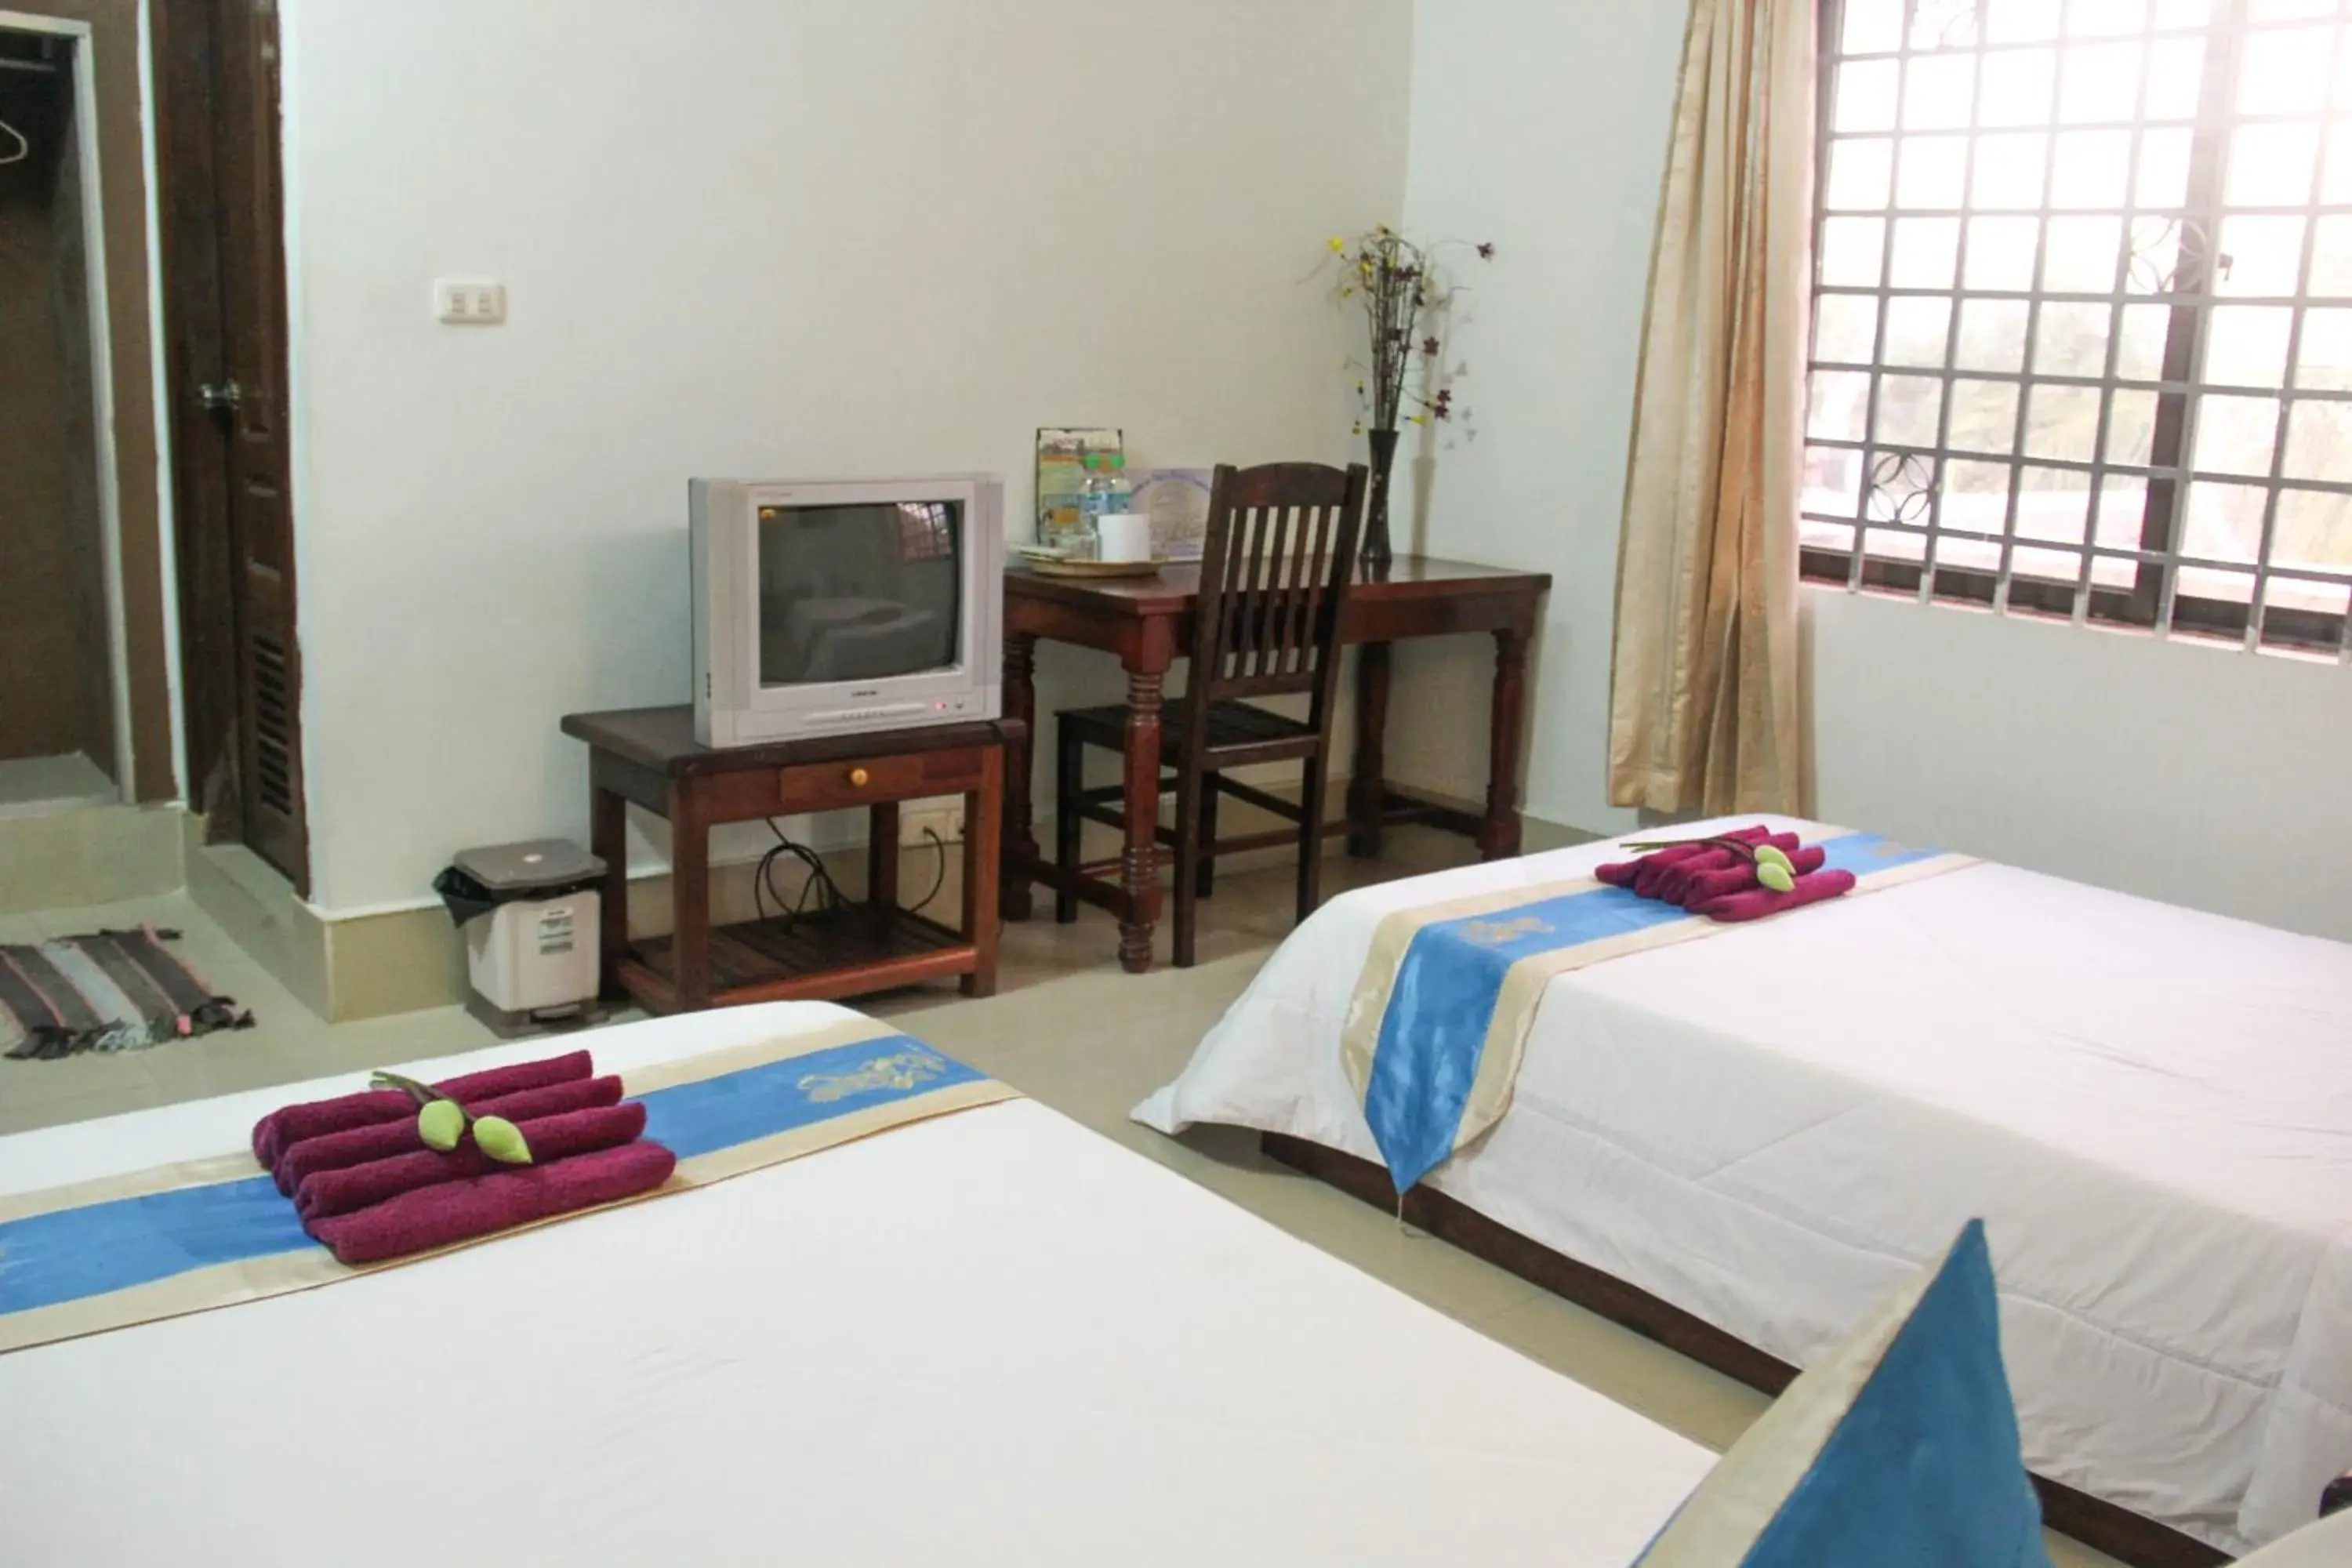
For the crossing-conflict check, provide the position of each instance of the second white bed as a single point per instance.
(2151, 1108)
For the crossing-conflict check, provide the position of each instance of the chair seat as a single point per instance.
(1229, 724)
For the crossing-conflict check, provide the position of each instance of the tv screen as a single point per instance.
(859, 592)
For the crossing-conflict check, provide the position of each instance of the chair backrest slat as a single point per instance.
(1251, 526)
(1276, 565)
(1306, 594)
(1275, 570)
(1259, 523)
(1306, 590)
(1292, 565)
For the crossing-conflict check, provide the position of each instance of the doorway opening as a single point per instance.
(65, 726)
(223, 203)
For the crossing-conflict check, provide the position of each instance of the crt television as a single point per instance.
(835, 607)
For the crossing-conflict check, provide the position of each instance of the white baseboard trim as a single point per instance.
(363, 965)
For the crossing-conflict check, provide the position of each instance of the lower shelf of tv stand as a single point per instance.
(816, 957)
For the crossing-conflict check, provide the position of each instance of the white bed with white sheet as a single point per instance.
(2151, 1108)
(989, 1338)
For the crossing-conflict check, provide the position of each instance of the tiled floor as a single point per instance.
(1047, 1034)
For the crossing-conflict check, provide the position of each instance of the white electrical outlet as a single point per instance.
(947, 821)
(470, 304)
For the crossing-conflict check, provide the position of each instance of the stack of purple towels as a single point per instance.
(368, 1188)
(1709, 876)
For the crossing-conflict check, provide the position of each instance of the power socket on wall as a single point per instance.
(947, 821)
(470, 304)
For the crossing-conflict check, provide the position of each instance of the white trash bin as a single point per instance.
(530, 913)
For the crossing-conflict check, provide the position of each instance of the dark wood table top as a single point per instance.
(1172, 589)
(662, 739)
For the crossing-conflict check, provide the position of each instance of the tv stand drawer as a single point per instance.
(829, 786)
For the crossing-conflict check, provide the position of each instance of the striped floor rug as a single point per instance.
(116, 991)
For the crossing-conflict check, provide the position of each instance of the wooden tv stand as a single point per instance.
(649, 756)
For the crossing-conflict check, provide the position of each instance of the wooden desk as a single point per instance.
(1148, 622)
(649, 755)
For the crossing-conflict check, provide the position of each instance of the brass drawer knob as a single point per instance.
(857, 778)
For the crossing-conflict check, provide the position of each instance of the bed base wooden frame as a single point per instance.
(2111, 1529)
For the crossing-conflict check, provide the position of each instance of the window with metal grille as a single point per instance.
(2083, 311)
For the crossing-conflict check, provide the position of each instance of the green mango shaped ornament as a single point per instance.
(1775, 876)
(502, 1140)
(1772, 855)
(441, 1124)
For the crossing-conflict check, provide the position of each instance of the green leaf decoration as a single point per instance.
(502, 1140)
(1771, 855)
(423, 1094)
(1774, 877)
(441, 1124)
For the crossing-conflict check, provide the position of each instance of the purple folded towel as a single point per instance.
(1630, 873)
(385, 1140)
(1671, 884)
(1756, 902)
(552, 1138)
(1621, 873)
(450, 1211)
(1656, 868)
(1704, 886)
(292, 1123)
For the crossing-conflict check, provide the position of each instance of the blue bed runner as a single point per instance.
(1439, 1020)
(204, 1234)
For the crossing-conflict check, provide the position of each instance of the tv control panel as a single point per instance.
(941, 710)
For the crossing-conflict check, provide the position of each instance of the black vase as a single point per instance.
(1376, 552)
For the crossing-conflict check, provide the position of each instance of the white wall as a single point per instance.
(1540, 125)
(799, 236)
(2177, 770)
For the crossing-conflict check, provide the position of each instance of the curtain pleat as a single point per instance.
(1704, 698)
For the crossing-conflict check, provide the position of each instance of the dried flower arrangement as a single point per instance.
(1404, 294)
(1406, 298)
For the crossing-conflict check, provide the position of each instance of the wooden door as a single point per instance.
(226, 289)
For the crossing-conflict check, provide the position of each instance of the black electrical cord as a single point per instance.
(818, 884)
(939, 879)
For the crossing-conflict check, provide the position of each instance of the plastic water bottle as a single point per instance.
(1105, 489)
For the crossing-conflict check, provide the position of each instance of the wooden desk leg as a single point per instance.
(689, 892)
(882, 860)
(1498, 834)
(1020, 848)
(608, 838)
(1366, 788)
(983, 828)
(1139, 860)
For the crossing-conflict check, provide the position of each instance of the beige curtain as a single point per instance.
(1703, 710)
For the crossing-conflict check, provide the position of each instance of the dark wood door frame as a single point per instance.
(221, 186)
(181, 39)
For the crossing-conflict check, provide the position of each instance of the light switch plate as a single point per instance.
(470, 304)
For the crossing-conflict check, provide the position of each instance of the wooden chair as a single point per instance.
(1275, 575)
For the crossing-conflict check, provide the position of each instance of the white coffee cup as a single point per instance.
(1124, 535)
